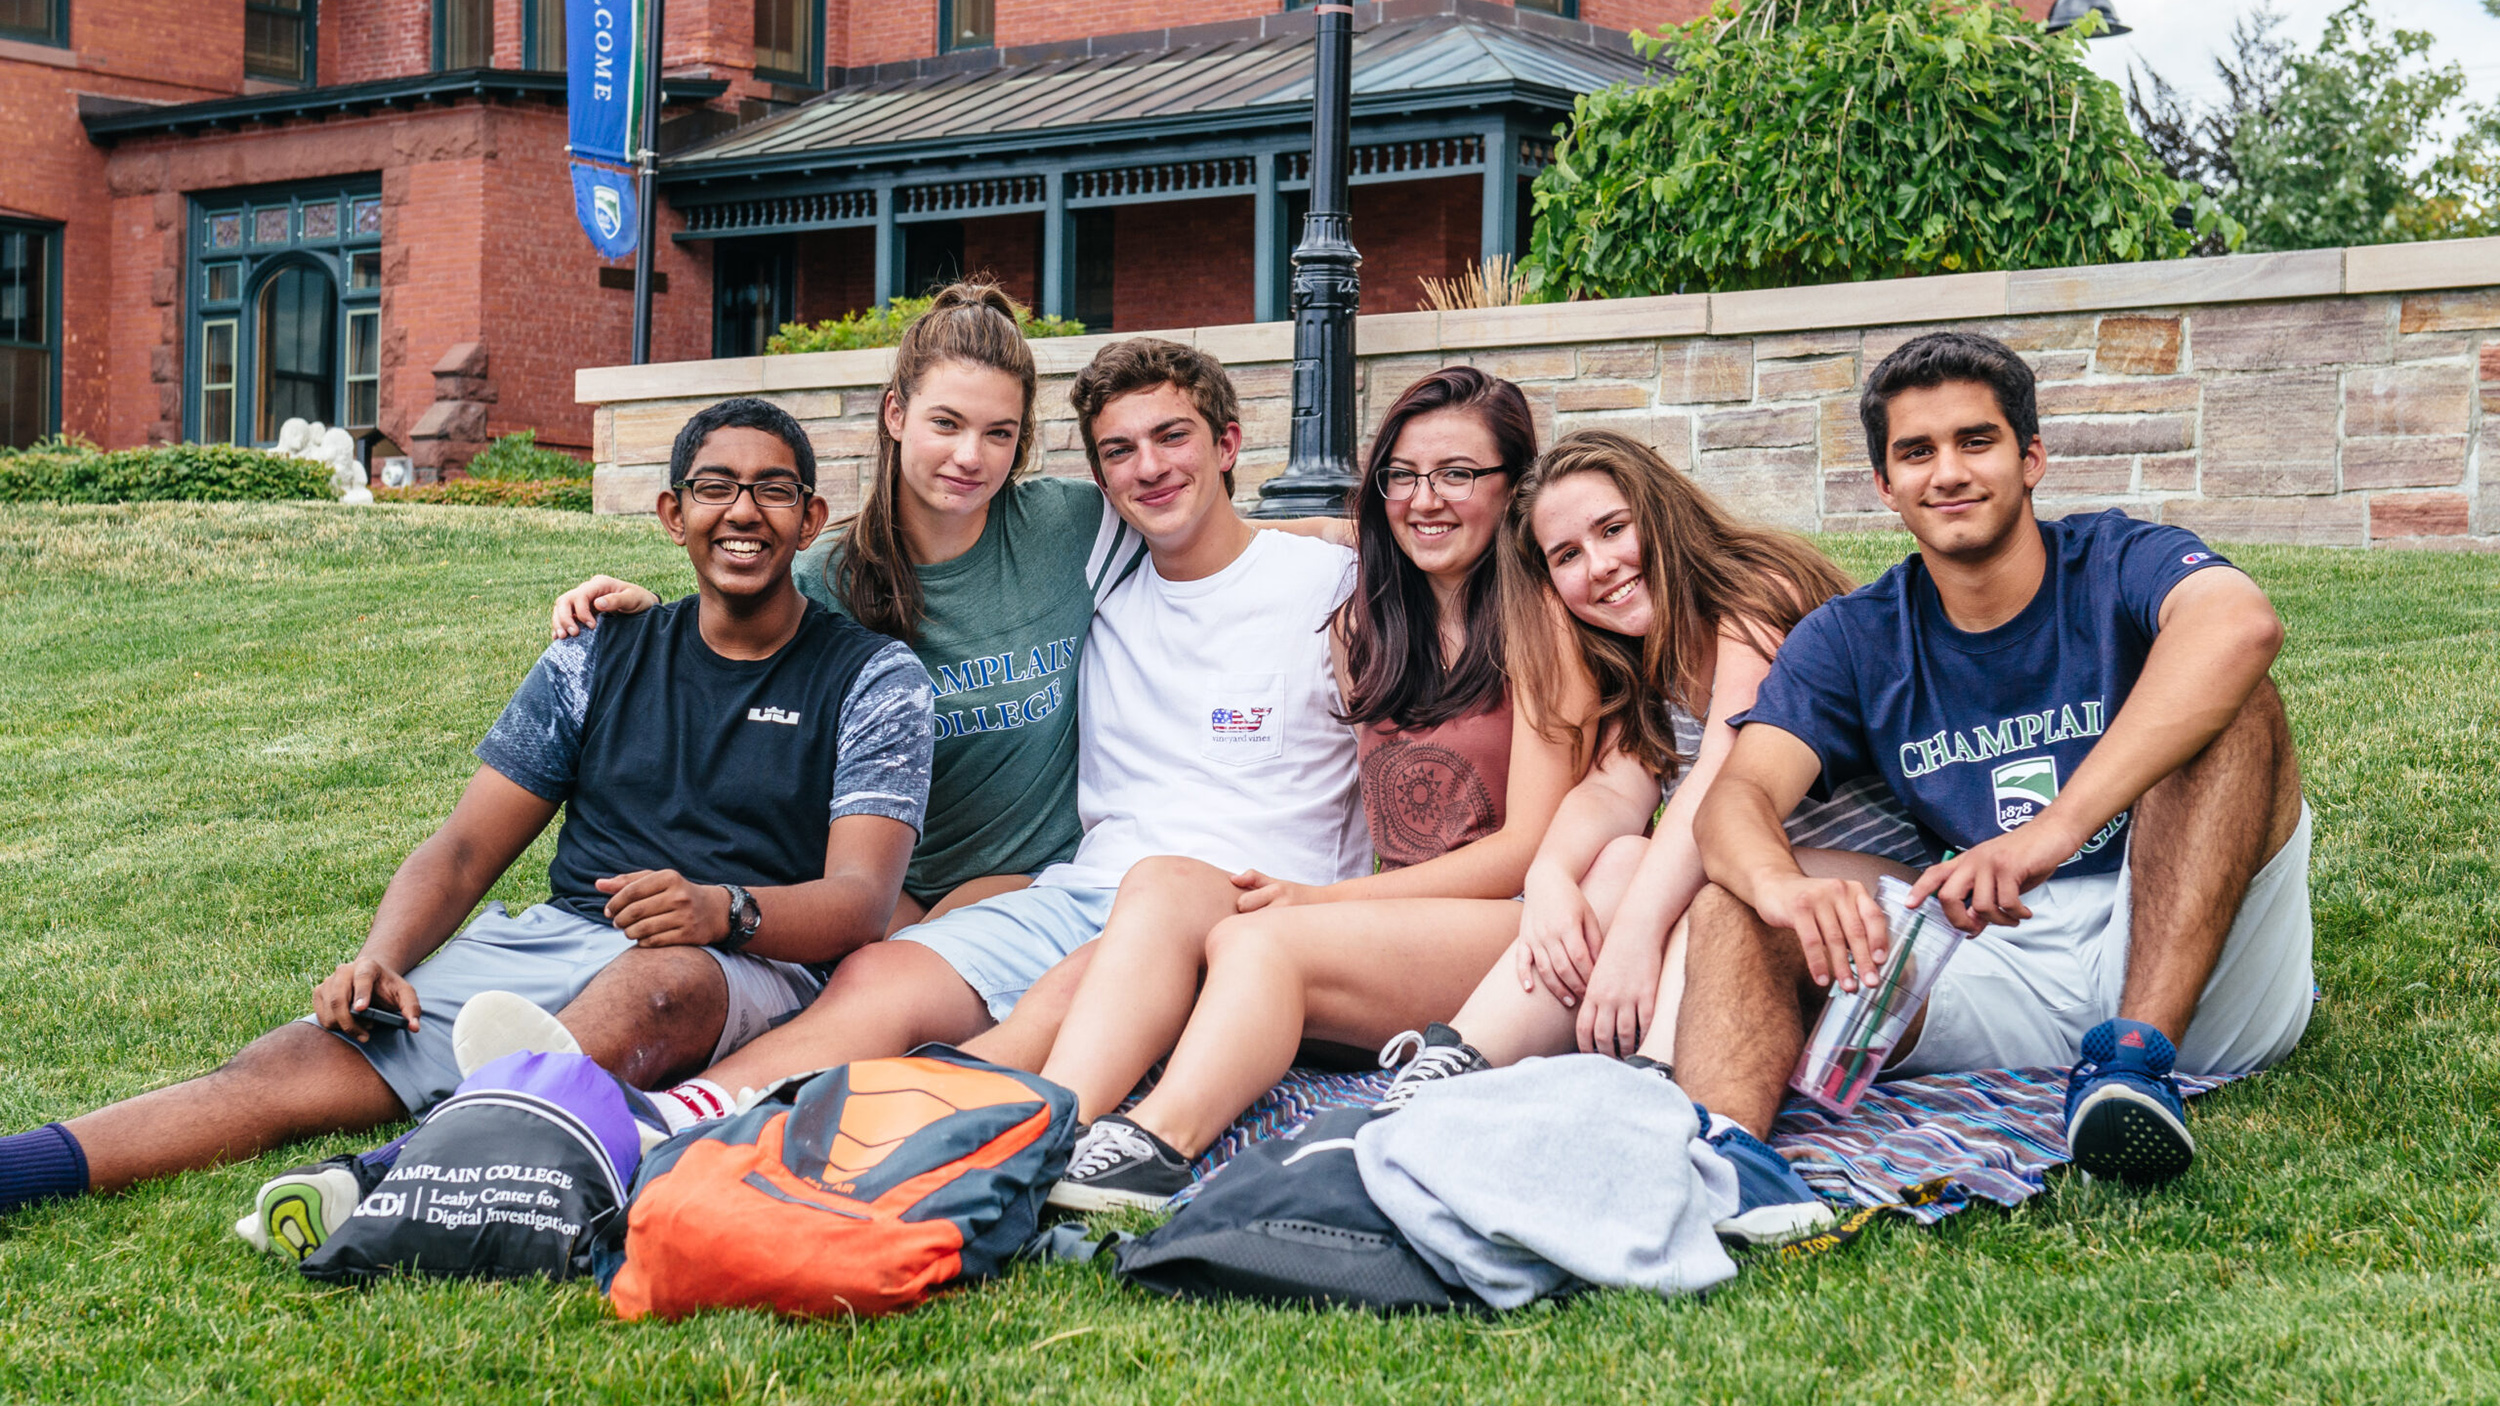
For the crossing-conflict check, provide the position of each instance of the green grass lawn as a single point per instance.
(221, 727)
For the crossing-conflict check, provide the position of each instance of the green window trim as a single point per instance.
(807, 44)
(283, 60)
(54, 29)
(30, 268)
(542, 36)
(967, 24)
(464, 34)
(241, 240)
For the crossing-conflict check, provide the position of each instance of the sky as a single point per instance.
(2178, 38)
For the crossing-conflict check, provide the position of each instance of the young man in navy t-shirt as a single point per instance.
(2078, 716)
(742, 774)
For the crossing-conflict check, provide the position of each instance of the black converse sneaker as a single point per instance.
(1437, 1053)
(1117, 1163)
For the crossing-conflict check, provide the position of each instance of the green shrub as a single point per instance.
(73, 471)
(564, 494)
(517, 458)
(883, 327)
(1821, 141)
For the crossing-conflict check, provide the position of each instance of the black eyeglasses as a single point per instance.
(721, 492)
(1449, 485)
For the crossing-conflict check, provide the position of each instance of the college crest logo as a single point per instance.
(608, 208)
(2024, 789)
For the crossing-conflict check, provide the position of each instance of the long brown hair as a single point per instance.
(1705, 573)
(1392, 623)
(873, 575)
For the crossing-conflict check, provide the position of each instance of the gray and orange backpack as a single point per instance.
(855, 1192)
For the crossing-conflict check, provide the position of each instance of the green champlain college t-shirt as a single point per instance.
(1002, 628)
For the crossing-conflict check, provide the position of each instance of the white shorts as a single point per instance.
(2024, 997)
(549, 954)
(1001, 946)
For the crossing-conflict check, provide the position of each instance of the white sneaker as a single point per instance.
(295, 1211)
(497, 1023)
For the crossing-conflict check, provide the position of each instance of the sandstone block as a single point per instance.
(1770, 486)
(2058, 365)
(2265, 336)
(2167, 473)
(2435, 346)
(1846, 491)
(2236, 278)
(2134, 434)
(2023, 334)
(2315, 522)
(1602, 395)
(1263, 379)
(2429, 462)
(1796, 380)
(626, 488)
(463, 359)
(1266, 424)
(2270, 435)
(1817, 343)
(1758, 428)
(2417, 515)
(2408, 400)
(1951, 297)
(2491, 361)
(1703, 371)
(813, 405)
(2138, 346)
(2174, 395)
(2451, 312)
(1528, 364)
(456, 421)
(1840, 435)
(1625, 361)
(1670, 432)
(2101, 476)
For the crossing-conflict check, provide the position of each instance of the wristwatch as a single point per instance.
(744, 918)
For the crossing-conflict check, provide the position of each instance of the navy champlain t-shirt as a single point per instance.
(667, 755)
(1975, 732)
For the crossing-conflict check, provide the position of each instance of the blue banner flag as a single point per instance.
(605, 92)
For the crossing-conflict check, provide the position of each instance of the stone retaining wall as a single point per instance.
(2341, 396)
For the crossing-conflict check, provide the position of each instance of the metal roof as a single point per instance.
(1218, 84)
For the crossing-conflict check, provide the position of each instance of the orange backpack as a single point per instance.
(873, 1186)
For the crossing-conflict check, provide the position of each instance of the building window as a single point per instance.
(464, 33)
(39, 21)
(967, 24)
(286, 302)
(30, 334)
(278, 39)
(786, 44)
(1568, 9)
(751, 294)
(542, 34)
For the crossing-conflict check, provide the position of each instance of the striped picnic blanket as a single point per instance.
(1995, 1133)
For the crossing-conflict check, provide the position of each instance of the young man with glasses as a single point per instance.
(742, 774)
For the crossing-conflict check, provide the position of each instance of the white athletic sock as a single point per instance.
(694, 1101)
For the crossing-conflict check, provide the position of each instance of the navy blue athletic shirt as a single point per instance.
(667, 755)
(1975, 732)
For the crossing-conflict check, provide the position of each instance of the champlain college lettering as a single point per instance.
(1031, 666)
(2006, 736)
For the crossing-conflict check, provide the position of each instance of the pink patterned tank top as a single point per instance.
(1429, 791)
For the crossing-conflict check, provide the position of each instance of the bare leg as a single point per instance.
(1137, 994)
(1659, 1043)
(653, 1016)
(1748, 996)
(1024, 1038)
(1507, 1024)
(882, 1000)
(297, 1081)
(1355, 973)
(2201, 834)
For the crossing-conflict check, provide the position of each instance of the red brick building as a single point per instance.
(215, 214)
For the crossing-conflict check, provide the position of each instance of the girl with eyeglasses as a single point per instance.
(990, 572)
(1461, 773)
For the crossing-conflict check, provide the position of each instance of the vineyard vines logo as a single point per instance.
(1239, 720)
(772, 715)
(608, 208)
(2024, 789)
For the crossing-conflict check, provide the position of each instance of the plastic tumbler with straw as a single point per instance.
(1859, 1028)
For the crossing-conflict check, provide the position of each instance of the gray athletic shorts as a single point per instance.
(1001, 946)
(549, 954)
(2024, 996)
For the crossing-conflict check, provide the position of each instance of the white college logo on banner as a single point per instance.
(609, 208)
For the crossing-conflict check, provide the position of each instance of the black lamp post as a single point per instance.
(646, 193)
(1327, 286)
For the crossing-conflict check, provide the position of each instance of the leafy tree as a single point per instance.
(1819, 141)
(2328, 148)
(883, 327)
